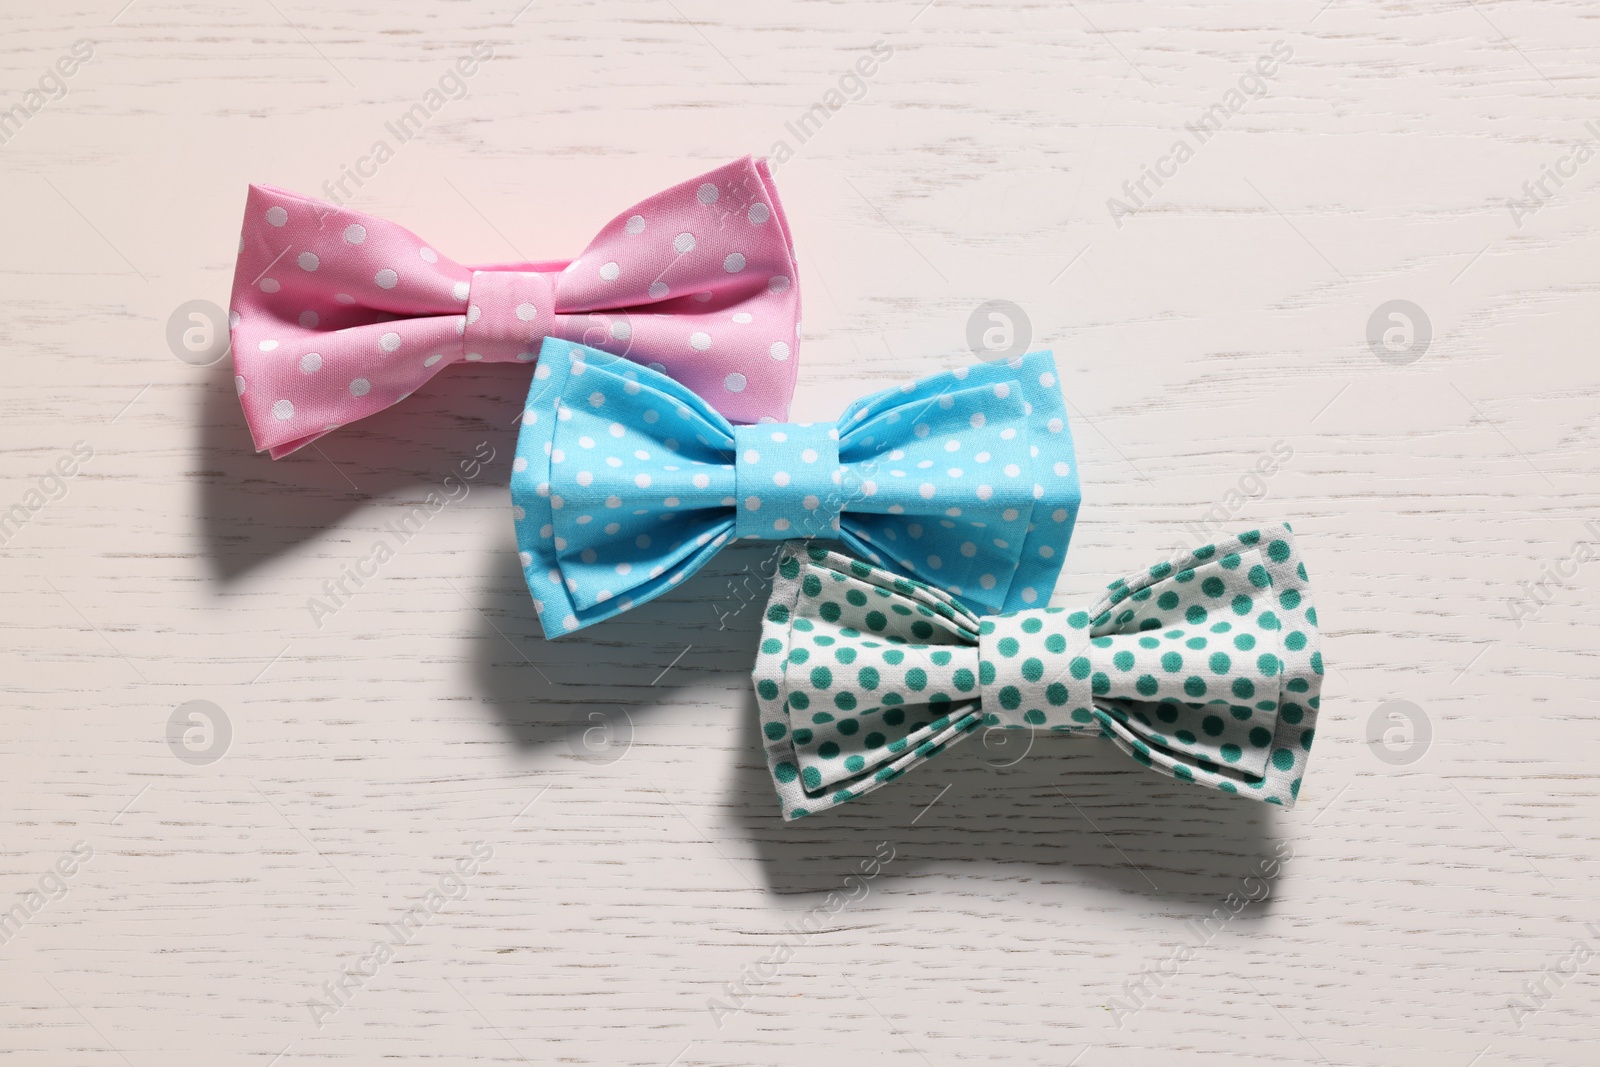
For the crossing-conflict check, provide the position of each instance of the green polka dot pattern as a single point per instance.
(1206, 668)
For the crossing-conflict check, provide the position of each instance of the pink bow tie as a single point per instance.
(337, 315)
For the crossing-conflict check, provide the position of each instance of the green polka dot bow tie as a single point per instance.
(1205, 668)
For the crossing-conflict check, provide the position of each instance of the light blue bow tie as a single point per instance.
(625, 483)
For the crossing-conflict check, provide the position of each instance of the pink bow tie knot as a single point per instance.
(337, 315)
(507, 314)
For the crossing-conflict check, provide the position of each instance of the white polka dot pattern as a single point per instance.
(697, 280)
(787, 480)
(909, 479)
(1206, 668)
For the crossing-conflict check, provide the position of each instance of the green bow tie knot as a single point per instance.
(1205, 668)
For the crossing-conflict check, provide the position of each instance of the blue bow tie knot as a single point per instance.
(788, 481)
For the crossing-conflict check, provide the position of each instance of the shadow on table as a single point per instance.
(606, 679)
(255, 508)
(1068, 810)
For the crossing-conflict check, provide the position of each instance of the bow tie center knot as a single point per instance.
(507, 314)
(788, 482)
(1037, 669)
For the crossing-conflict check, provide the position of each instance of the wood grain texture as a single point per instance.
(633, 889)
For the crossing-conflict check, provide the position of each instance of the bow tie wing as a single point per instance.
(700, 281)
(966, 480)
(1209, 668)
(861, 676)
(622, 485)
(335, 315)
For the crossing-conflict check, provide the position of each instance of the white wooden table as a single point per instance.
(625, 890)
